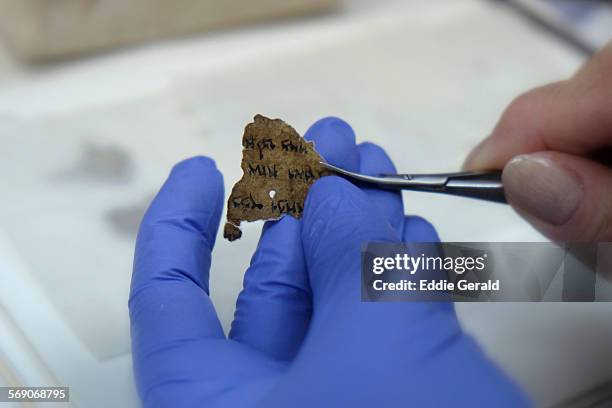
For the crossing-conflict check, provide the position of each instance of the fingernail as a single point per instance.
(542, 188)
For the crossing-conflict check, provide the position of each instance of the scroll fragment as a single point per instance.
(279, 167)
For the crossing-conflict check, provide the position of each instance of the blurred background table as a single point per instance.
(86, 143)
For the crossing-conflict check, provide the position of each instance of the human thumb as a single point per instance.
(568, 198)
(338, 218)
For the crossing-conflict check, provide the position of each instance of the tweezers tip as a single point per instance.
(333, 168)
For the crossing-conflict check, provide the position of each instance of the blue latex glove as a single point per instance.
(301, 336)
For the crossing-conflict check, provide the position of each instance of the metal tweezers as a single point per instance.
(483, 185)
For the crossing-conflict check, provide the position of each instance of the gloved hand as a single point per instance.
(301, 336)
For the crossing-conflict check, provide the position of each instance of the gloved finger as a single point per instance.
(338, 218)
(169, 301)
(566, 197)
(334, 139)
(417, 229)
(373, 160)
(274, 308)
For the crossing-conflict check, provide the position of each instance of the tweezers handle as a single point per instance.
(483, 185)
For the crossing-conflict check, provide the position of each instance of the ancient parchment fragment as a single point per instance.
(279, 167)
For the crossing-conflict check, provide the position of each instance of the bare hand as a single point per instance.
(555, 146)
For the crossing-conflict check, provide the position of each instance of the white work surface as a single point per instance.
(85, 144)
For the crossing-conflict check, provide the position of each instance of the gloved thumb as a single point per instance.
(568, 198)
(423, 344)
(338, 218)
